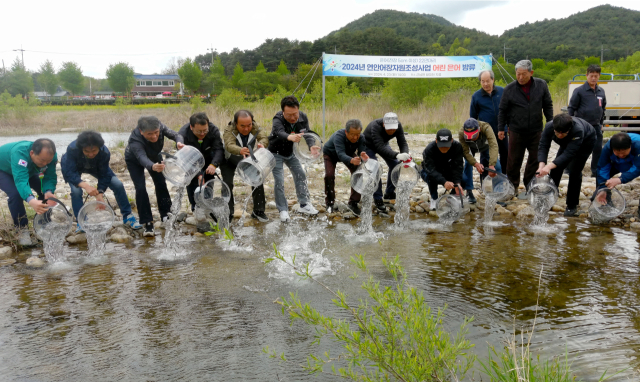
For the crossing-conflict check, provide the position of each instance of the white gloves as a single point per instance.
(403, 157)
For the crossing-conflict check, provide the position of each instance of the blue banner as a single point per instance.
(404, 66)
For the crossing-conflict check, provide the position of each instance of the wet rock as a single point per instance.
(525, 213)
(433, 213)
(198, 234)
(557, 208)
(181, 217)
(7, 262)
(5, 252)
(633, 203)
(80, 238)
(35, 262)
(348, 216)
(157, 224)
(191, 221)
(425, 206)
(502, 211)
(635, 226)
(117, 238)
(419, 209)
(320, 208)
(271, 205)
(473, 207)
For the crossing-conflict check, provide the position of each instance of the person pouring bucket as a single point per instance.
(377, 136)
(24, 166)
(442, 164)
(478, 137)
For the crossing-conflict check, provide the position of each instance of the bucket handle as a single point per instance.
(250, 146)
(105, 198)
(59, 202)
(167, 155)
(461, 195)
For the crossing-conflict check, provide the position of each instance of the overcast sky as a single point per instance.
(147, 33)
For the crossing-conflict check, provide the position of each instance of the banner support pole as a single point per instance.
(323, 102)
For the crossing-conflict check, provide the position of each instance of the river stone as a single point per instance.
(633, 203)
(191, 221)
(348, 215)
(80, 238)
(6, 262)
(525, 213)
(502, 211)
(181, 217)
(271, 205)
(5, 252)
(117, 238)
(433, 213)
(35, 262)
(635, 225)
(557, 208)
(419, 209)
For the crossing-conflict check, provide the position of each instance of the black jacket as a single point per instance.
(148, 153)
(443, 167)
(588, 104)
(339, 148)
(377, 139)
(280, 130)
(580, 135)
(211, 147)
(521, 115)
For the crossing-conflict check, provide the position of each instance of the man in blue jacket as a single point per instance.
(485, 104)
(89, 155)
(620, 155)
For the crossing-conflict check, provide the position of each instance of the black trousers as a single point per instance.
(575, 173)
(518, 144)
(597, 149)
(228, 170)
(142, 197)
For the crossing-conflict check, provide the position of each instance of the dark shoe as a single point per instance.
(389, 197)
(472, 199)
(502, 204)
(571, 211)
(593, 174)
(148, 230)
(260, 216)
(380, 205)
(354, 208)
(330, 209)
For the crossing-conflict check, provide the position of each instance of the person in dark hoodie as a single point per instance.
(348, 146)
(204, 136)
(378, 134)
(289, 126)
(576, 138)
(143, 152)
(89, 155)
(442, 164)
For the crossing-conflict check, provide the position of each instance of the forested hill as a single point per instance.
(388, 32)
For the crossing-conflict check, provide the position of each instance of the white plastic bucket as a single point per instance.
(309, 149)
(607, 205)
(254, 173)
(96, 217)
(180, 168)
(366, 177)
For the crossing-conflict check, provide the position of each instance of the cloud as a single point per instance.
(454, 11)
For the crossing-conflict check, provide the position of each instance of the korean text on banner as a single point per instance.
(404, 67)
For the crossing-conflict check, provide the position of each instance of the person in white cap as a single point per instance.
(377, 136)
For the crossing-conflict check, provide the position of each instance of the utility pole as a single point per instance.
(504, 55)
(602, 50)
(21, 50)
(211, 55)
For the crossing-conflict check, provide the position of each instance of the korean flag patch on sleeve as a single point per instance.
(22, 163)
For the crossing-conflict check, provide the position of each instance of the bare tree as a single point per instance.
(173, 65)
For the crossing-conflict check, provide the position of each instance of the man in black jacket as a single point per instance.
(442, 164)
(378, 134)
(523, 103)
(204, 136)
(143, 152)
(347, 146)
(289, 126)
(576, 138)
(589, 103)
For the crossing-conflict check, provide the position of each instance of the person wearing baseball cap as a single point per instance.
(378, 134)
(442, 164)
(477, 137)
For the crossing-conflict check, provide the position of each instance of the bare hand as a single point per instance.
(541, 170)
(602, 198)
(180, 145)
(38, 206)
(364, 156)
(295, 137)
(479, 167)
(356, 161)
(611, 183)
(92, 191)
(245, 152)
(449, 185)
(100, 198)
(211, 169)
(492, 174)
(315, 151)
(500, 135)
(260, 146)
(51, 203)
(158, 167)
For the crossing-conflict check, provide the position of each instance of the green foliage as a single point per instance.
(230, 100)
(120, 77)
(217, 80)
(48, 78)
(17, 106)
(215, 230)
(410, 92)
(394, 335)
(196, 104)
(190, 75)
(18, 80)
(338, 92)
(238, 75)
(71, 77)
(282, 69)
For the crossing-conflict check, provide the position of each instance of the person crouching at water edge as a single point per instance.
(620, 155)
(143, 152)
(89, 155)
(378, 134)
(576, 138)
(204, 136)
(24, 166)
(237, 137)
(349, 147)
(477, 137)
(289, 126)
(442, 164)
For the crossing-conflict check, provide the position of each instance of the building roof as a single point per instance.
(56, 94)
(103, 93)
(174, 77)
(149, 89)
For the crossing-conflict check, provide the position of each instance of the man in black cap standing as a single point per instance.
(442, 164)
(377, 135)
(477, 137)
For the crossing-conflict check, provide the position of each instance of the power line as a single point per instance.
(104, 54)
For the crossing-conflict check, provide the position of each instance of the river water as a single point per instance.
(136, 315)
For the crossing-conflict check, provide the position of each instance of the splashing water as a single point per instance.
(244, 208)
(53, 242)
(171, 232)
(366, 215)
(96, 238)
(541, 207)
(489, 208)
(403, 192)
(220, 210)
